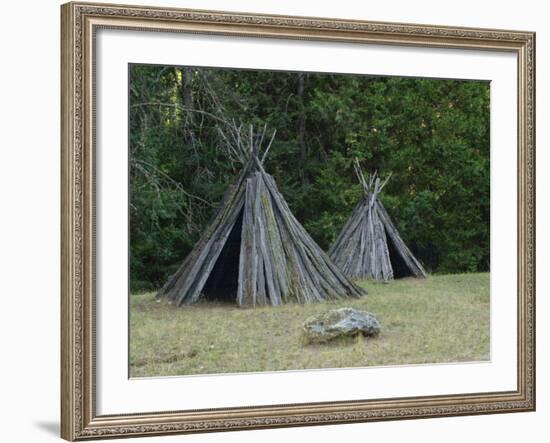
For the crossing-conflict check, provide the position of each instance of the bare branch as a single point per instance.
(360, 176)
(268, 146)
(178, 185)
(384, 182)
(184, 109)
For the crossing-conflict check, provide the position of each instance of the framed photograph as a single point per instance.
(277, 221)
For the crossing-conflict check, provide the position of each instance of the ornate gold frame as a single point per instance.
(79, 21)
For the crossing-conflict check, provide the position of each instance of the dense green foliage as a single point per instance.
(432, 135)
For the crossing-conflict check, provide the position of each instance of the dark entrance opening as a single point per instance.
(399, 266)
(223, 281)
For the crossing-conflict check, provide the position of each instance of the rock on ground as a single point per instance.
(339, 323)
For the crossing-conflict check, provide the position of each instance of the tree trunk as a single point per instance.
(302, 126)
(186, 91)
(187, 79)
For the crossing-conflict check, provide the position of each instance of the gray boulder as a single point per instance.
(339, 323)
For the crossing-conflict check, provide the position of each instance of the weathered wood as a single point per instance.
(249, 281)
(317, 258)
(361, 249)
(263, 249)
(278, 260)
(413, 264)
(274, 237)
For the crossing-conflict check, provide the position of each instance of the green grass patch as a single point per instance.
(444, 318)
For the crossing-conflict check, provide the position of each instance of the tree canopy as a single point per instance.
(431, 134)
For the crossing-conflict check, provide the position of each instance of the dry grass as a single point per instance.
(444, 318)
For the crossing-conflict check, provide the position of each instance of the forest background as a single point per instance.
(432, 135)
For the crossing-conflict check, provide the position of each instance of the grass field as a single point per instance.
(443, 318)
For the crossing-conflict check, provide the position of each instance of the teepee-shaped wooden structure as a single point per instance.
(369, 245)
(255, 251)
